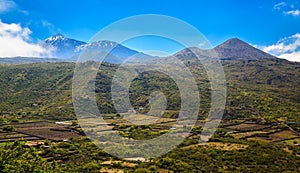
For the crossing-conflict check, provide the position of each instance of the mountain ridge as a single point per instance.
(68, 49)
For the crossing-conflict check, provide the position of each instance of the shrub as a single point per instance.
(9, 128)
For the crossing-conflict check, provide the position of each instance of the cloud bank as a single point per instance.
(15, 41)
(287, 48)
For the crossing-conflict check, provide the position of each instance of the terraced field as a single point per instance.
(264, 133)
(36, 131)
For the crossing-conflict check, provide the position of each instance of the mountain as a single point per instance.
(70, 49)
(237, 49)
(233, 49)
(62, 47)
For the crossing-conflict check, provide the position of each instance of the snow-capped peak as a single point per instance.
(56, 37)
(66, 48)
(104, 44)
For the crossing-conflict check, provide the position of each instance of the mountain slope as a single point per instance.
(256, 89)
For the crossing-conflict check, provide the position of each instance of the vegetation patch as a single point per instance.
(292, 141)
(225, 146)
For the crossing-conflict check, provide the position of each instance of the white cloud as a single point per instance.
(51, 27)
(45, 23)
(15, 41)
(6, 5)
(295, 56)
(287, 48)
(293, 12)
(278, 6)
(287, 8)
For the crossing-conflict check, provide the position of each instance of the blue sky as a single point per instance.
(260, 23)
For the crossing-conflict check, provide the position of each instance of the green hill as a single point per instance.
(266, 89)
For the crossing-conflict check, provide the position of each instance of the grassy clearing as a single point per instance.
(275, 137)
(283, 135)
(259, 139)
(239, 135)
(247, 127)
(246, 134)
(141, 119)
(108, 170)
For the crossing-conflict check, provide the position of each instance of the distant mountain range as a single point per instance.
(67, 49)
